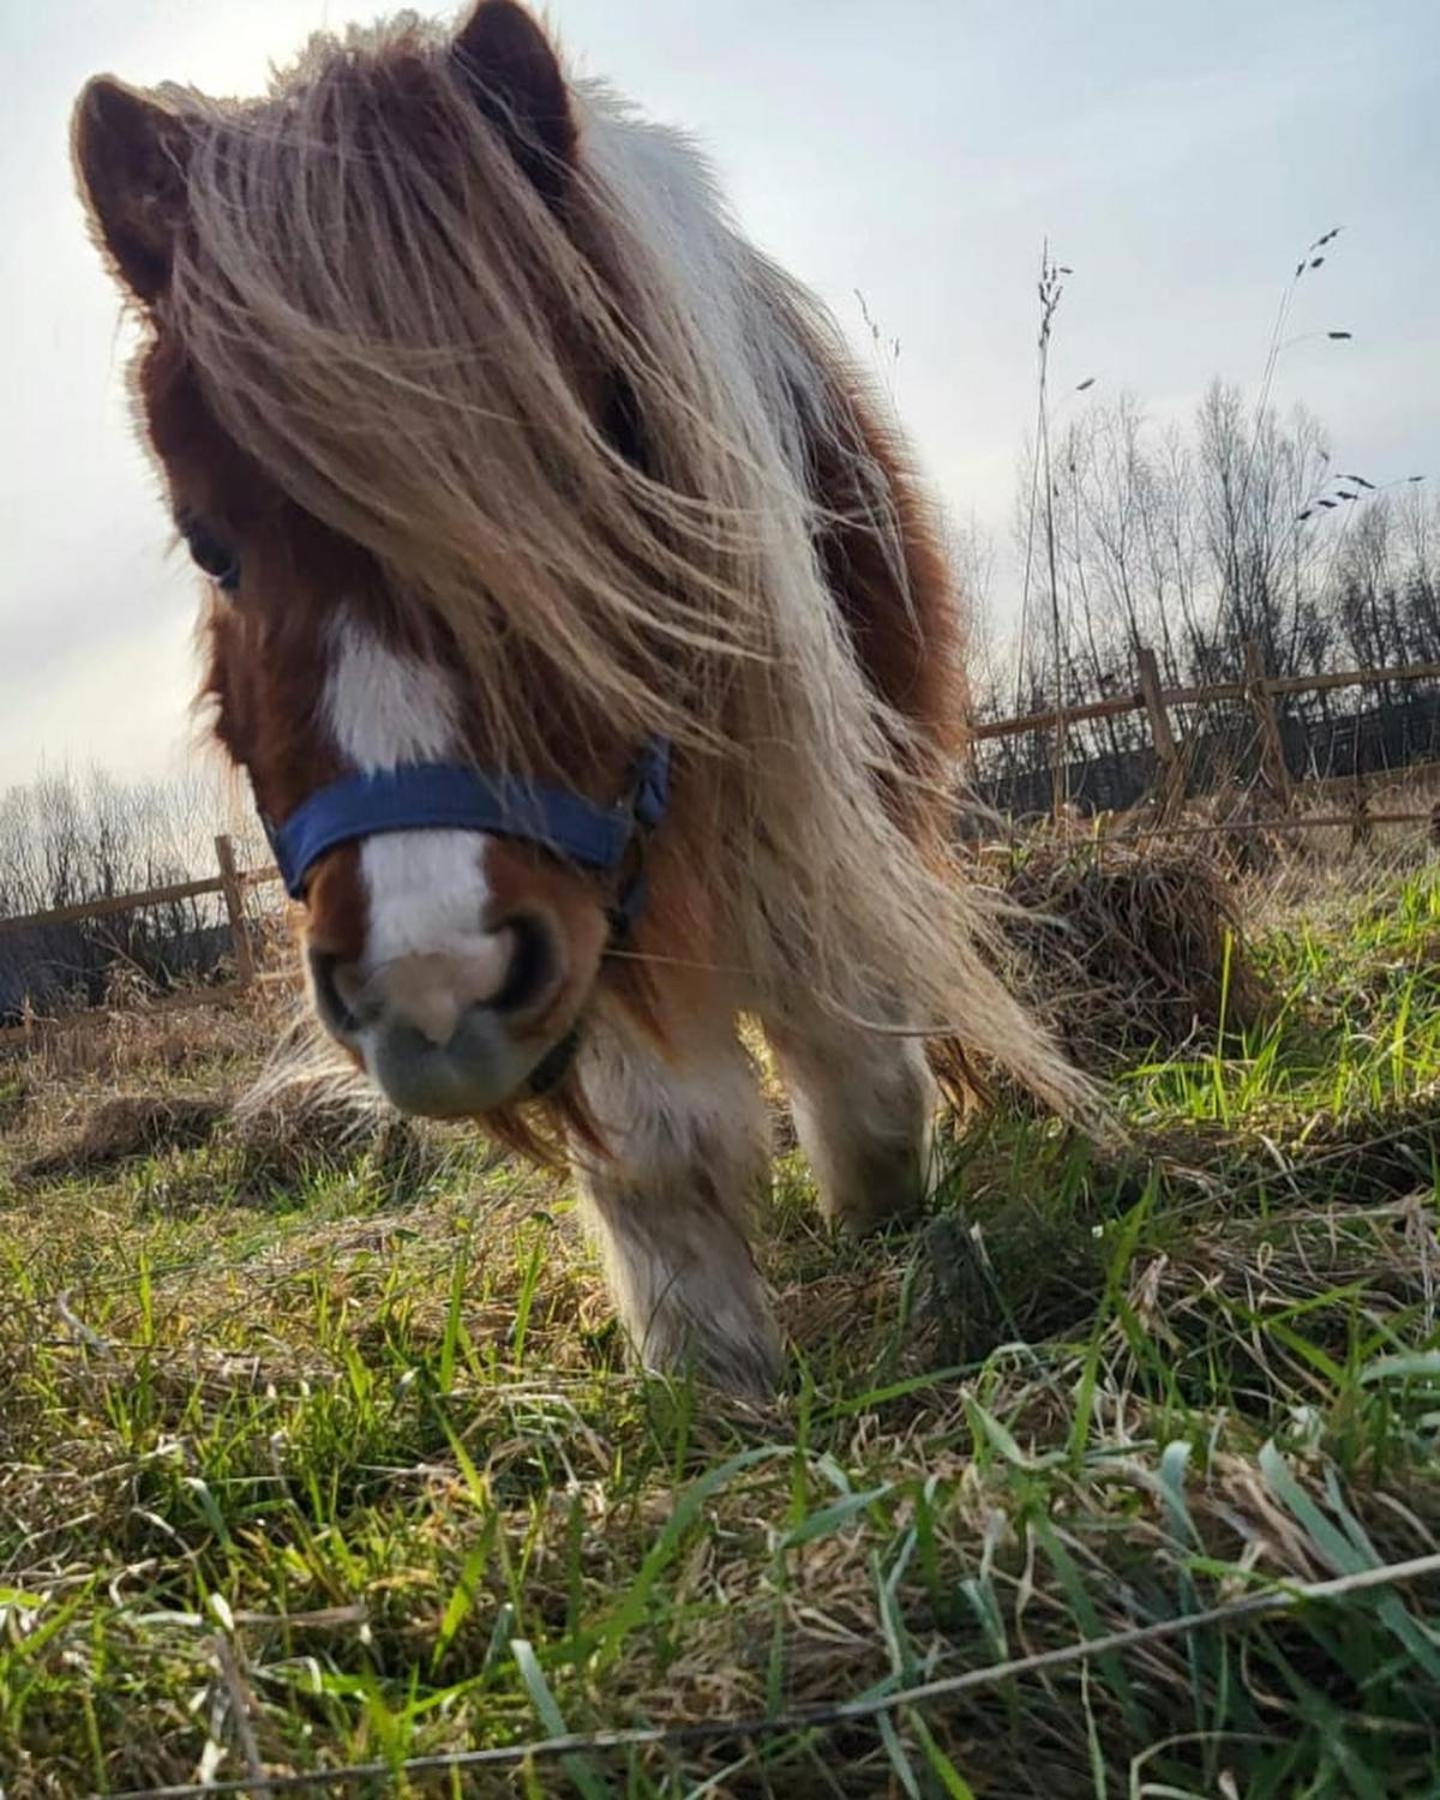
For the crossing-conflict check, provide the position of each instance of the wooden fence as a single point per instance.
(229, 882)
(1258, 690)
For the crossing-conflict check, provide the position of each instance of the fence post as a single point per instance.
(1171, 787)
(1272, 749)
(969, 758)
(1362, 832)
(1059, 768)
(235, 908)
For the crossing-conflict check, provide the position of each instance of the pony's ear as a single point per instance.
(130, 163)
(518, 84)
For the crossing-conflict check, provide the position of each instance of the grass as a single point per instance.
(331, 1457)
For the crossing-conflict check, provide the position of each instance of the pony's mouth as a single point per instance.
(479, 1069)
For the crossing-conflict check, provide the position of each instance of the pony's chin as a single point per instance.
(479, 1070)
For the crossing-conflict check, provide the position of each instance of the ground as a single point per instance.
(318, 1452)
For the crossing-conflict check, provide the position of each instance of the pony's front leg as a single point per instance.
(688, 1150)
(864, 1106)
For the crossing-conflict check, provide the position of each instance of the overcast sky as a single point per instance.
(1179, 157)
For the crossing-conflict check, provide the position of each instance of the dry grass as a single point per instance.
(164, 1040)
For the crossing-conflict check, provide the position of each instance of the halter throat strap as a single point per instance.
(451, 797)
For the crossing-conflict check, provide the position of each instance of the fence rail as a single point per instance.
(1113, 706)
(1174, 761)
(110, 904)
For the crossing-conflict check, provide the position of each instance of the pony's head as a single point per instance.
(504, 452)
(391, 379)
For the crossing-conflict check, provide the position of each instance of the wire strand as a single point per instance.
(822, 1715)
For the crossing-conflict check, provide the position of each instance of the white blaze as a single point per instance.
(427, 890)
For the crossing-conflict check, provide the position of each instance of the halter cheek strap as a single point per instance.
(448, 796)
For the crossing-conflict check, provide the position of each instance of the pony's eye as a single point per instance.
(217, 560)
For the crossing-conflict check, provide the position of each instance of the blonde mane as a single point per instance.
(383, 311)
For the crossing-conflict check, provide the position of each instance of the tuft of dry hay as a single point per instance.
(123, 1127)
(282, 1137)
(1122, 950)
(274, 1144)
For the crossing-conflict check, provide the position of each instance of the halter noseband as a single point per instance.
(448, 796)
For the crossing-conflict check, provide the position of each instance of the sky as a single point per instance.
(1178, 158)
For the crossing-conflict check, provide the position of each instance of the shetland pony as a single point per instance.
(514, 470)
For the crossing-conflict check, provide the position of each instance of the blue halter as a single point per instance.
(448, 796)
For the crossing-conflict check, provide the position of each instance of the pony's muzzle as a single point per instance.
(449, 1033)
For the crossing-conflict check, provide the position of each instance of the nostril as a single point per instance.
(533, 967)
(335, 1012)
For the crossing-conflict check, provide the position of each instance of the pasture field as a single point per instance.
(319, 1451)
